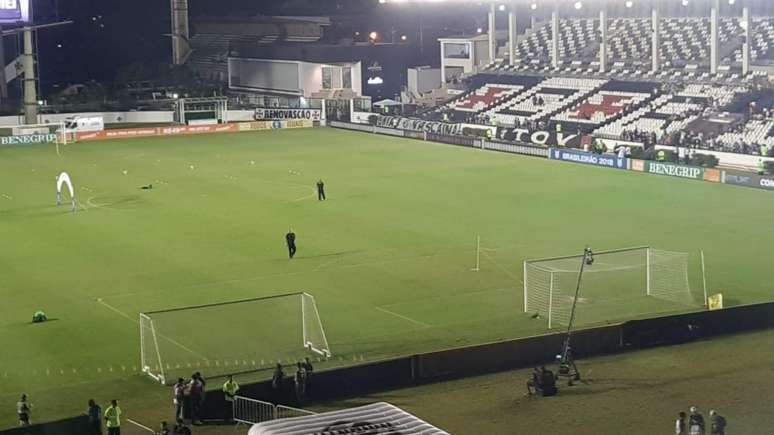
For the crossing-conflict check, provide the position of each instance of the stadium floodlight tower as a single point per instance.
(19, 13)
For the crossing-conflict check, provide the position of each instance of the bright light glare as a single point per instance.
(502, 8)
(373, 35)
(533, 6)
(578, 5)
(630, 3)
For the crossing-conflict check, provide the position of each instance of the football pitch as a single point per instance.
(387, 257)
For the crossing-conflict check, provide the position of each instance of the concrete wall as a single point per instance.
(423, 79)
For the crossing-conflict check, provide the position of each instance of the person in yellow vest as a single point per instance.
(761, 167)
(558, 127)
(113, 418)
(764, 150)
(445, 117)
(230, 389)
(660, 155)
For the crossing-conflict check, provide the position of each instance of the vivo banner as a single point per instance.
(550, 138)
(287, 114)
(418, 125)
(606, 160)
(748, 179)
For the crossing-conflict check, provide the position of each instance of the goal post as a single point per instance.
(313, 332)
(48, 133)
(620, 283)
(231, 337)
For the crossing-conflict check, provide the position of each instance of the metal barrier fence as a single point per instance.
(252, 411)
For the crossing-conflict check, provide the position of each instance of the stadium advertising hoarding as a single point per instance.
(156, 131)
(14, 11)
(673, 170)
(606, 160)
(288, 114)
(28, 139)
(418, 125)
(539, 137)
(748, 179)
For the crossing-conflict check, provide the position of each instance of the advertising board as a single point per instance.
(606, 160)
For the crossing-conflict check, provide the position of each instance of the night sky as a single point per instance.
(108, 35)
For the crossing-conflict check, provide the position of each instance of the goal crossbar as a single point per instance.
(217, 304)
(566, 257)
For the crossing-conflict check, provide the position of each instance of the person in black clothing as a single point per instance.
(277, 377)
(290, 238)
(320, 190)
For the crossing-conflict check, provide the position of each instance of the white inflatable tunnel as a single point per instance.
(376, 418)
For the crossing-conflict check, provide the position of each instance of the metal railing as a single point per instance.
(252, 411)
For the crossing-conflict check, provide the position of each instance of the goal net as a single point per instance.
(231, 337)
(620, 284)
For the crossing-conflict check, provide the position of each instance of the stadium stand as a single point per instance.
(544, 100)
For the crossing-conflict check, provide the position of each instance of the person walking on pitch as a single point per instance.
(290, 239)
(320, 190)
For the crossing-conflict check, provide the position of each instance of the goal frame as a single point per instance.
(147, 331)
(647, 251)
(60, 130)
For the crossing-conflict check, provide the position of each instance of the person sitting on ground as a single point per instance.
(181, 428)
(148, 187)
(547, 382)
(164, 429)
(39, 317)
(532, 384)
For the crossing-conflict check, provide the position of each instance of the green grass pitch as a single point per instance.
(388, 256)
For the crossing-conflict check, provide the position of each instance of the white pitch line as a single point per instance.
(403, 317)
(171, 340)
(142, 426)
(500, 266)
(310, 196)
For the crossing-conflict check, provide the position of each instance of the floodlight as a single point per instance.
(404, 38)
(533, 6)
(731, 2)
(685, 2)
(630, 3)
(479, 30)
(578, 5)
(502, 8)
(373, 36)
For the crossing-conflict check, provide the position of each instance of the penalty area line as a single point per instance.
(417, 322)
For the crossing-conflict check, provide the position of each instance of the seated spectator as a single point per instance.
(543, 382)
(181, 429)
